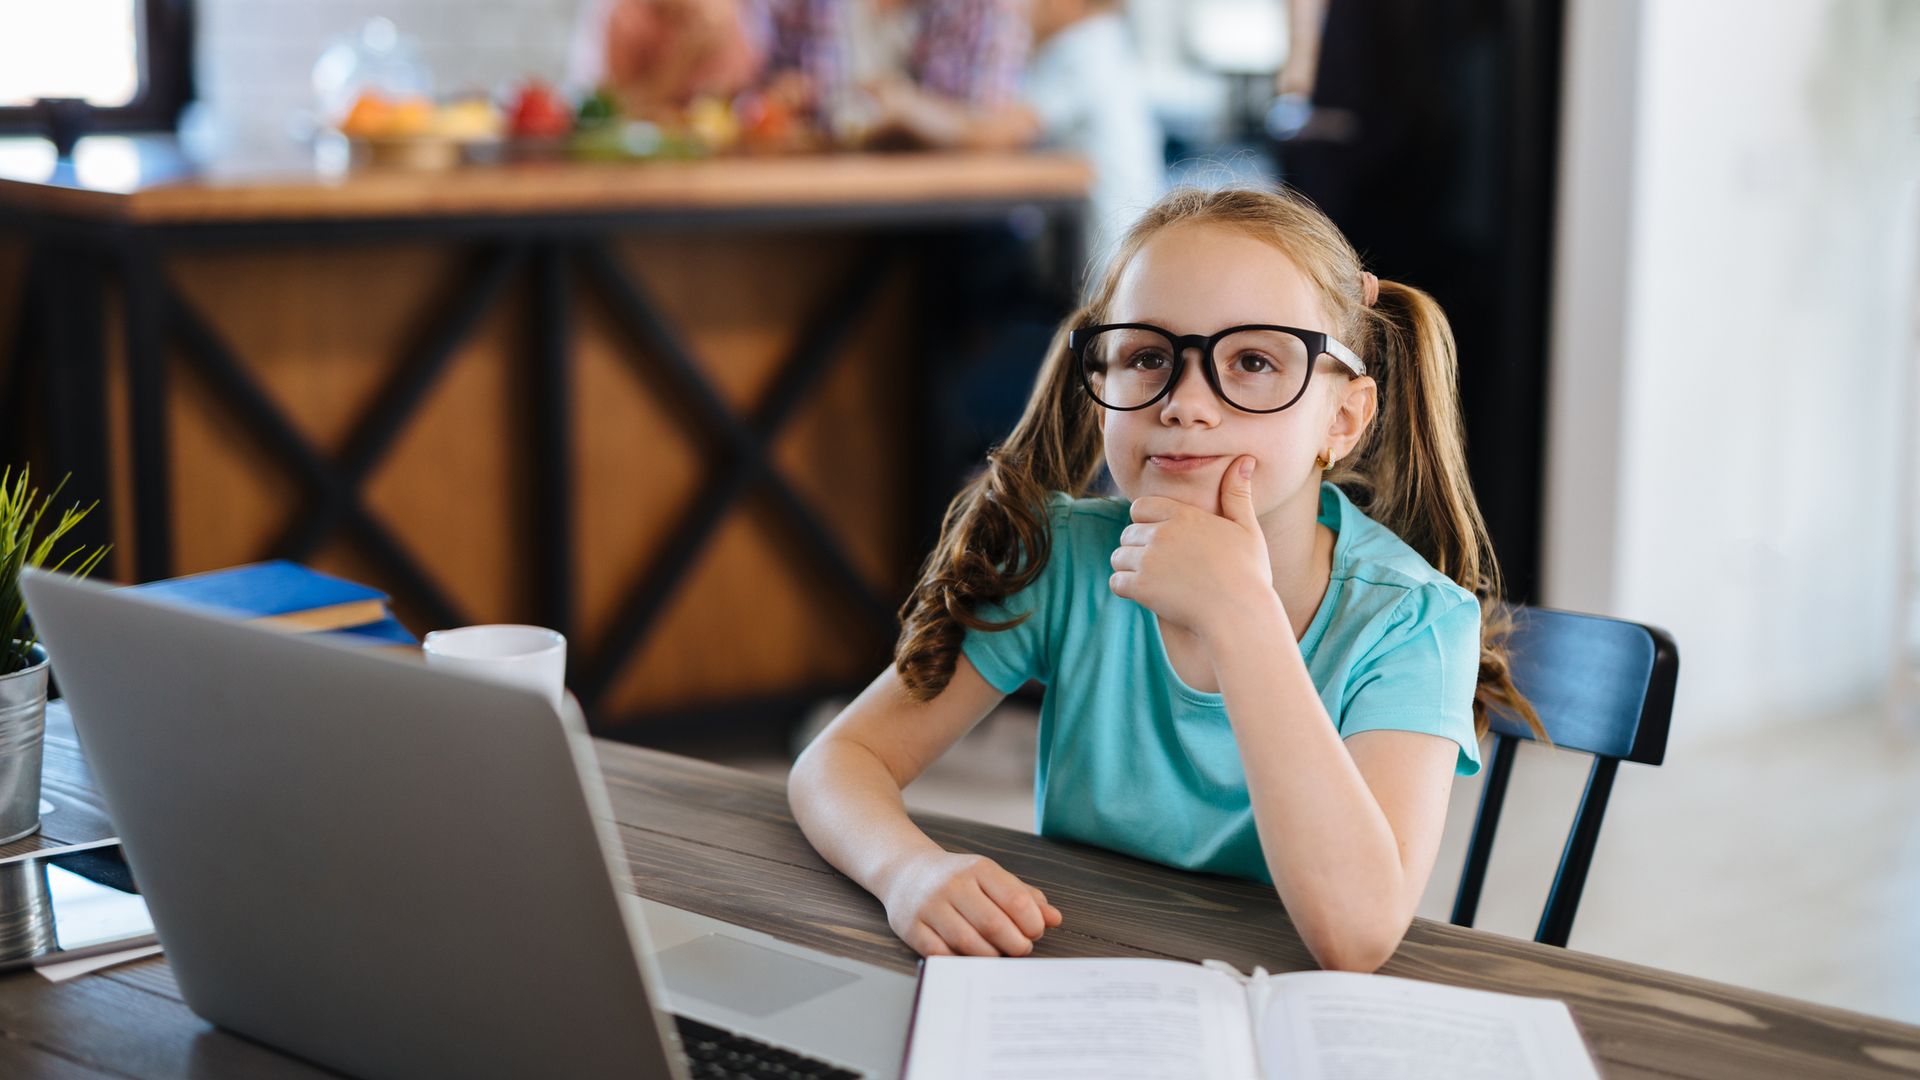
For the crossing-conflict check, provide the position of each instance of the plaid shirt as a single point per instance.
(972, 50)
(808, 36)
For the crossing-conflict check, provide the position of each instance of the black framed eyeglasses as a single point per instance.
(1127, 366)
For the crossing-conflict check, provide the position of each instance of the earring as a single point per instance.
(1325, 459)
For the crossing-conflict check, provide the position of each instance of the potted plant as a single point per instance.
(23, 663)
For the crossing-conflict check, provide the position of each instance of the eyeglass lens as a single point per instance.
(1258, 369)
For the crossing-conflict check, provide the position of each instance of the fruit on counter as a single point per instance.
(367, 117)
(376, 116)
(470, 120)
(602, 131)
(710, 122)
(539, 112)
(410, 116)
(540, 121)
(632, 140)
(765, 120)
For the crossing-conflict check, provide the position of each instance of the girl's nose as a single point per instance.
(1191, 400)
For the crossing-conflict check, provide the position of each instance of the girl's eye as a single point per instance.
(1253, 363)
(1147, 360)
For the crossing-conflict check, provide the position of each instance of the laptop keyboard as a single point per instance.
(725, 1055)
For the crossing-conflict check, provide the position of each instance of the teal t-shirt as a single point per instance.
(1133, 759)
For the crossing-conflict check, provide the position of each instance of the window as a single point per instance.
(130, 59)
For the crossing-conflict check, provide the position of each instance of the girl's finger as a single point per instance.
(1127, 558)
(921, 939)
(991, 922)
(1154, 508)
(1122, 583)
(1137, 535)
(1016, 900)
(1052, 913)
(958, 933)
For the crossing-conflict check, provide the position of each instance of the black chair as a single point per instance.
(1601, 686)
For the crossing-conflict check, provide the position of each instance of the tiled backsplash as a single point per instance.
(255, 57)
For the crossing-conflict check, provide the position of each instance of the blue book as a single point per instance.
(279, 594)
(387, 631)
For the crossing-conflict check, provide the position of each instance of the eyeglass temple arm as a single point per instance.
(1346, 356)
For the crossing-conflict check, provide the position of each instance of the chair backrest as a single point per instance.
(1601, 686)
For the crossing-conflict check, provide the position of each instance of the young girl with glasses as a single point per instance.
(1268, 658)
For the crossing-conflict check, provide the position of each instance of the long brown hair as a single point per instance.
(1409, 471)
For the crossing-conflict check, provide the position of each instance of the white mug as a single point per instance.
(530, 656)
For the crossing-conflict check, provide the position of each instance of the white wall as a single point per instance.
(1735, 282)
(255, 57)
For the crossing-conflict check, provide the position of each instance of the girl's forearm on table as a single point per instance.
(850, 809)
(1329, 847)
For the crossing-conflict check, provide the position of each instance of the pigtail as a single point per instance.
(1411, 476)
(995, 537)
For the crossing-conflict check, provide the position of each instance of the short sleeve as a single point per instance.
(1422, 674)
(1010, 658)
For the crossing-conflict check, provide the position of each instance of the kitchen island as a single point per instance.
(672, 409)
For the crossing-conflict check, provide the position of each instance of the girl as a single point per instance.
(1246, 673)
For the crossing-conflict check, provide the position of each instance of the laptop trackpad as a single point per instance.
(746, 978)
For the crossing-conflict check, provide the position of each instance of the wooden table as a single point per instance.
(680, 411)
(718, 840)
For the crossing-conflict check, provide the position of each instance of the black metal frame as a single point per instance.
(166, 77)
(1318, 343)
(1635, 733)
(72, 264)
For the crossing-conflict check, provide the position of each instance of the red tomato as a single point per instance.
(539, 112)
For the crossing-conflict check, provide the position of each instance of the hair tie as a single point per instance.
(1369, 288)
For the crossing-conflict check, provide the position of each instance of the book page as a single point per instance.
(1028, 1018)
(1333, 1025)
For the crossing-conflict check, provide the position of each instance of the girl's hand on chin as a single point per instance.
(1190, 567)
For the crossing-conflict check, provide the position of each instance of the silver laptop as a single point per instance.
(396, 871)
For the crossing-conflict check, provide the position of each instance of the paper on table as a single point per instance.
(68, 969)
(1331, 1025)
(1061, 1019)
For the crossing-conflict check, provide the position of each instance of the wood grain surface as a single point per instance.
(718, 840)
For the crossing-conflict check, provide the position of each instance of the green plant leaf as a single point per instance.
(20, 521)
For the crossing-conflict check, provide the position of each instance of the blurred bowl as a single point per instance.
(421, 152)
(535, 148)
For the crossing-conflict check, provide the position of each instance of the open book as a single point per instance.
(984, 1018)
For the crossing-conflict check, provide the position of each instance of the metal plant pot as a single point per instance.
(26, 910)
(23, 728)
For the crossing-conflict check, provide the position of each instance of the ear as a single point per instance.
(1354, 409)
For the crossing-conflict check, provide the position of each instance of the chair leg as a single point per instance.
(1493, 794)
(1556, 923)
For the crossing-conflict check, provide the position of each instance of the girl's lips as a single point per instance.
(1181, 464)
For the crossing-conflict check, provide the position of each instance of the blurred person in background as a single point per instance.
(1306, 20)
(1080, 92)
(654, 58)
(805, 46)
(959, 73)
